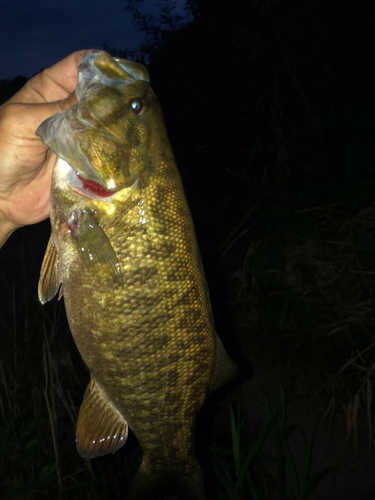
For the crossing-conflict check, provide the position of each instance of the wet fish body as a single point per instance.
(124, 252)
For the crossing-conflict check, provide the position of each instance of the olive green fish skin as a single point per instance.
(150, 344)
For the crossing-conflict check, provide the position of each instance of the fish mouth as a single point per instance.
(93, 187)
(77, 183)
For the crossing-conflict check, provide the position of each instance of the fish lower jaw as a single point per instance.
(68, 177)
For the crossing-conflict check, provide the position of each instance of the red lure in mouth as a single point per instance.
(95, 188)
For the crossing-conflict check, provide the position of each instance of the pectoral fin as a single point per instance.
(93, 246)
(101, 429)
(49, 280)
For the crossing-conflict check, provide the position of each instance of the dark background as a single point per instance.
(270, 111)
(35, 35)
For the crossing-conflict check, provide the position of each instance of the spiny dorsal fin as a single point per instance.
(101, 428)
(49, 280)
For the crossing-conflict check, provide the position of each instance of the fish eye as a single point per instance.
(136, 106)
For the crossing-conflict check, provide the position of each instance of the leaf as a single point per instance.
(368, 404)
(255, 448)
(30, 444)
(235, 431)
(355, 419)
(349, 420)
(312, 482)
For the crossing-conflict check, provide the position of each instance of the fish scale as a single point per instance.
(123, 248)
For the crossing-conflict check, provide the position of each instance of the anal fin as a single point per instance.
(101, 428)
(49, 280)
(224, 368)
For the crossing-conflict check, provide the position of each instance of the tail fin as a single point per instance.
(167, 486)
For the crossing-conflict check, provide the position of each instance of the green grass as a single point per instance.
(286, 151)
(42, 381)
(260, 463)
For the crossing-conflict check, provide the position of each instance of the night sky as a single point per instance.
(35, 35)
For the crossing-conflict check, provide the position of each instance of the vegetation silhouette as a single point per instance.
(270, 112)
(9, 87)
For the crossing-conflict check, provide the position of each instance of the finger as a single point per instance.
(22, 120)
(65, 72)
(54, 83)
(67, 103)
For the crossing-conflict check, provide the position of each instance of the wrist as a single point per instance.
(6, 229)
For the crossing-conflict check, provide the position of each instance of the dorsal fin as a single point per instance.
(49, 280)
(101, 428)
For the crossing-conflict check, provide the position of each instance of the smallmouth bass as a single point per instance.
(124, 255)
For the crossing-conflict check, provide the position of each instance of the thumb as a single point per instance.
(22, 119)
(68, 102)
(47, 109)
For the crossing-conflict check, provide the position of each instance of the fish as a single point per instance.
(124, 256)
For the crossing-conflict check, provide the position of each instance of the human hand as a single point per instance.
(25, 162)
